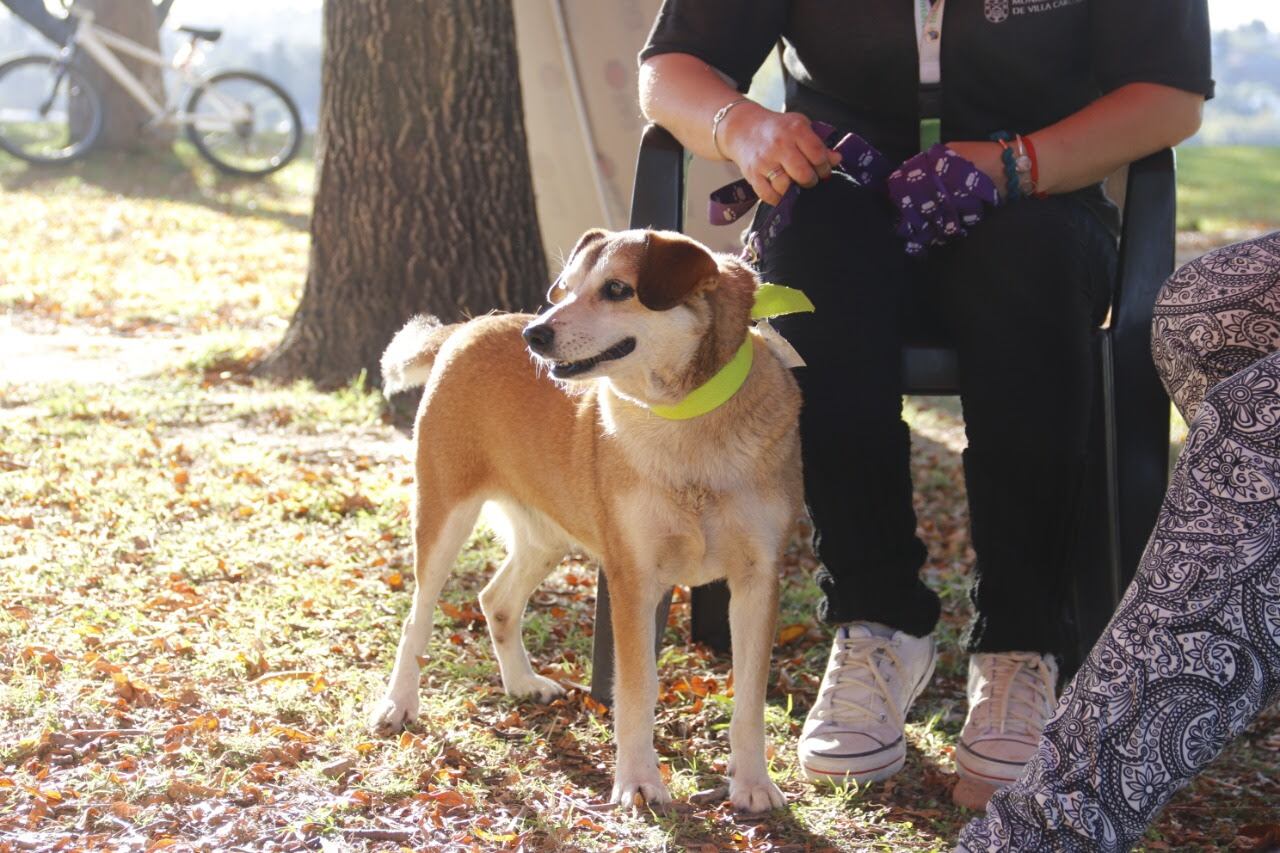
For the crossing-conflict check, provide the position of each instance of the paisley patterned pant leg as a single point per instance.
(1216, 316)
(1193, 652)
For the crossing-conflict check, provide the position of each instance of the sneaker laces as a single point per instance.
(856, 665)
(1018, 689)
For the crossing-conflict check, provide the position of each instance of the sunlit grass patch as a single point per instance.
(145, 245)
(1228, 187)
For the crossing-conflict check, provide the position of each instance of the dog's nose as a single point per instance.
(539, 337)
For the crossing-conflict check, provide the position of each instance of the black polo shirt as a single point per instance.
(1015, 65)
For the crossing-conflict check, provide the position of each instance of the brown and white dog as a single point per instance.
(568, 449)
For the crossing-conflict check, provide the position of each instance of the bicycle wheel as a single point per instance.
(49, 111)
(243, 123)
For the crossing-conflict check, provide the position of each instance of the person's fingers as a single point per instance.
(911, 221)
(795, 147)
(969, 208)
(764, 187)
(780, 179)
(798, 168)
(942, 211)
(904, 187)
(815, 151)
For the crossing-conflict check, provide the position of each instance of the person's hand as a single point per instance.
(938, 195)
(774, 150)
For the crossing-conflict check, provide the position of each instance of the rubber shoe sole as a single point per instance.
(993, 771)
(846, 777)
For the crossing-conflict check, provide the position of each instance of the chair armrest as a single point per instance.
(657, 200)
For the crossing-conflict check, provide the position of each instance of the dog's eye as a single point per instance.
(557, 292)
(617, 290)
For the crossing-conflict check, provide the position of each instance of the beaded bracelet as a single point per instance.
(1012, 191)
(1021, 165)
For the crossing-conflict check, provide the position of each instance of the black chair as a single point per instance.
(1130, 434)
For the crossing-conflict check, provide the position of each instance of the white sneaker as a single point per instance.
(1011, 697)
(854, 731)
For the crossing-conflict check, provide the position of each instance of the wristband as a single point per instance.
(1012, 191)
(1035, 168)
(719, 117)
(1014, 167)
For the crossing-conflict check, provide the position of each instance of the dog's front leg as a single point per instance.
(635, 693)
(753, 607)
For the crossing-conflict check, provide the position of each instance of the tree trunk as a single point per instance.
(424, 198)
(123, 117)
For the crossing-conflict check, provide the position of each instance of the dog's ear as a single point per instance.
(585, 240)
(672, 268)
(557, 291)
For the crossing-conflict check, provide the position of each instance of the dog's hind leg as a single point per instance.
(533, 550)
(439, 533)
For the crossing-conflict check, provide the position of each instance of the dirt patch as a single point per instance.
(44, 352)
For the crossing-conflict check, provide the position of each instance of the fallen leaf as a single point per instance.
(336, 768)
(791, 633)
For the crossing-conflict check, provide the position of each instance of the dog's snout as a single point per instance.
(539, 337)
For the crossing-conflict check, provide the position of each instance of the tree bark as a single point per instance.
(123, 117)
(424, 197)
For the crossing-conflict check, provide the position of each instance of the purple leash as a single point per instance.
(859, 160)
(937, 194)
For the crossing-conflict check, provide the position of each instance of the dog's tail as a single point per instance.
(407, 361)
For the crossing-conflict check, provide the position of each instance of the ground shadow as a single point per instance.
(177, 175)
(690, 826)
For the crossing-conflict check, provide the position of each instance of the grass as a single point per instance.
(1228, 188)
(203, 578)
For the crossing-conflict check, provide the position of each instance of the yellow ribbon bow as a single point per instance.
(772, 300)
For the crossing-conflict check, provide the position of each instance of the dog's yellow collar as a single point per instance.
(772, 300)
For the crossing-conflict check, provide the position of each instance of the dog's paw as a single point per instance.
(392, 714)
(648, 785)
(755, 795)
(539, 688)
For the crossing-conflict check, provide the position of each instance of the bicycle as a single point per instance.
(50, 113)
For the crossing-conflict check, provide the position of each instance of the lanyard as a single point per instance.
(929, 48)
(929, 39)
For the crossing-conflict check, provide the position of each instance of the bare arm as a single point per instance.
(1086, 146)
(682, 93)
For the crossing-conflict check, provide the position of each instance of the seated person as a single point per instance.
(1086, 86)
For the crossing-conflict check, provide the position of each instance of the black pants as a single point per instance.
(1018, 298)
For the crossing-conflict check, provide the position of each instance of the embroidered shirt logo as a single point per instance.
(1000, 10)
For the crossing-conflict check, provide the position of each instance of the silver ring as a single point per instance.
(772, 173)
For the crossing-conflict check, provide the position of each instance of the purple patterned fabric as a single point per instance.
(938, 195)
(731, 202)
